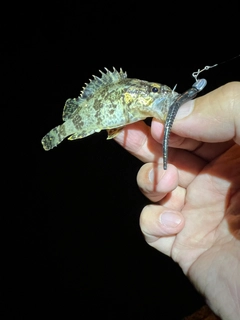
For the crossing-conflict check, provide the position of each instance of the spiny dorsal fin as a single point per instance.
(91, 88)
(107, 78)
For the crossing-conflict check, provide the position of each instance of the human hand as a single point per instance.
(200, 190)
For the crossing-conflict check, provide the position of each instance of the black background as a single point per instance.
(73, 241)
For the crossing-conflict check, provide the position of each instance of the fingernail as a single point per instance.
(170, 219)
(154, 175)
(151, 175)
(185, 110)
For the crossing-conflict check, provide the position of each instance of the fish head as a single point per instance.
(151, 99)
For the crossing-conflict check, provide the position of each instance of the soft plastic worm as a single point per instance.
(180, 100)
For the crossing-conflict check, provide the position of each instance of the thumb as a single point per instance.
(160, 226)
(213, 117)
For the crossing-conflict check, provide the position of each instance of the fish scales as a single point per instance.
(110, 103)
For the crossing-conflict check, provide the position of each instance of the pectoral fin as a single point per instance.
(112, 133)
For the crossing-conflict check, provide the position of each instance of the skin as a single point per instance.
(195, 215)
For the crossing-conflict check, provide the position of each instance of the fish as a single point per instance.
(110, 102)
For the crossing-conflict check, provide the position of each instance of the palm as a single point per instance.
(209, 242)
(210, 210)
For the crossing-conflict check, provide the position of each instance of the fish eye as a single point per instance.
(154, 89)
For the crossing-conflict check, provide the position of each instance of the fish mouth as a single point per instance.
(166, 100)
(174, 95)
(173, 98)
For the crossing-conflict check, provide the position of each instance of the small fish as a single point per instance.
(110, 103)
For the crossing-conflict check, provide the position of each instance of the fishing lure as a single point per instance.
(110, 103)
(190, 94)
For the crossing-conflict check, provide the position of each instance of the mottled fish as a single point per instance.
(110, 103)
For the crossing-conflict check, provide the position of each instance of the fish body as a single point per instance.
(110, 103)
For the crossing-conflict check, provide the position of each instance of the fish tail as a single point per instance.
(55, 136)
